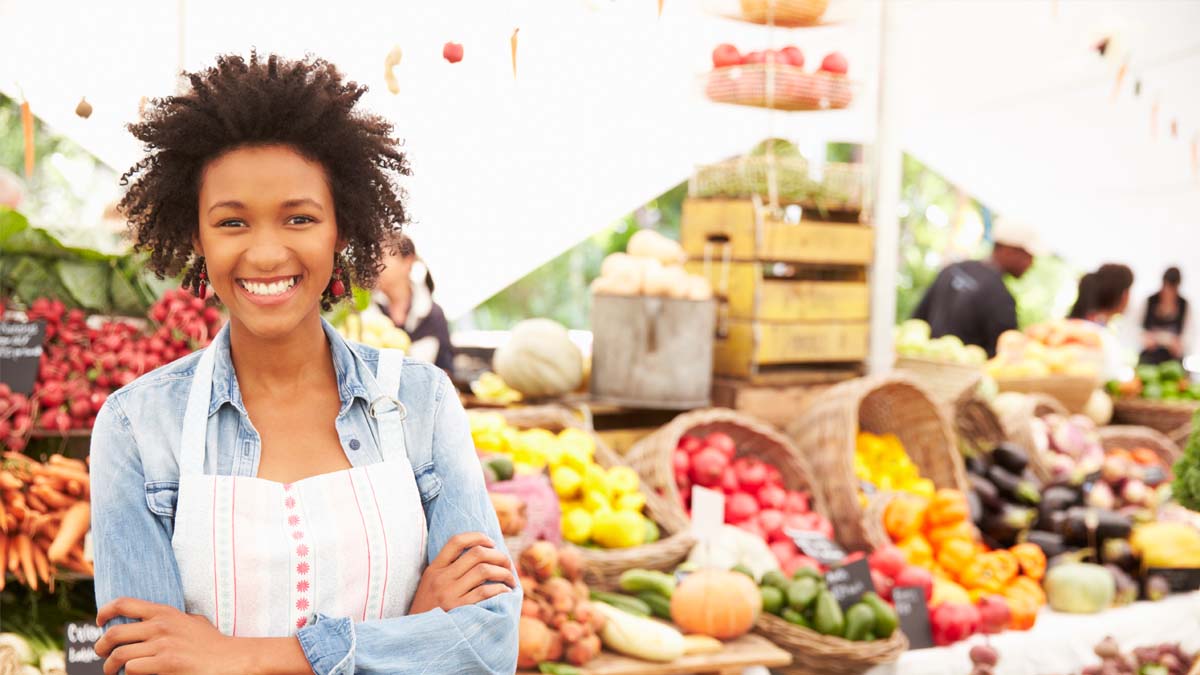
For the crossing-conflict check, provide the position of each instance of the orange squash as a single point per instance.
(717, 603)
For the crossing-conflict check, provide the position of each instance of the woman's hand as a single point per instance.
(459, 574)
(164, 641)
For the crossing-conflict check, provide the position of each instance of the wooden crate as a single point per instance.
(785, 292)
(740, 229)
(751, 349)
(778, 404)
(645, 351)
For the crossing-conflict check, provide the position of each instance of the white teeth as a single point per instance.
(275, 288)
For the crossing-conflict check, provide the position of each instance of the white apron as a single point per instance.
(260, 558)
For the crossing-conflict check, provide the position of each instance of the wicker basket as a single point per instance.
(816, 654)
(1072, 391)
(1173, 418)
(872, 520)
(652, 458)
(827, 432)
(603, 567)
(788, 13)
(742, 177)
(948, 382)
(779, 87)
(1129, 437)
(977, 423)
(1018, 427)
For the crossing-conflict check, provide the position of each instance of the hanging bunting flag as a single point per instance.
(513, 42)
(27, 129)
(660, 4)
(84, 109)
(1121, 72)
(389, 75)
(1102, 46)
(452, 52)
(1174, 128)
(1137, 88)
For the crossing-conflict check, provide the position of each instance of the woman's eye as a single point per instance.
(300, 220)
(232, 223)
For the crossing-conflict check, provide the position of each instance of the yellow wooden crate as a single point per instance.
(746, 348)
(760, 291)
(740, 229)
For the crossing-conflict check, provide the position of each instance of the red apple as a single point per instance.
(682, 462)
(883, 584)
(772, 497)
(774, 477)
(770, 522)
(792, 55)
(726, 55)
(740, 507)
(889, 560)
(690, 444)
(751, 473)
(835, 63)
(708, 467)
(723, 442)
(994, 614)
(916, 576)
(796, 502)
(452, 52)
(729, 482)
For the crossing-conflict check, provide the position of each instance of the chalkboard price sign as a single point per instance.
(850, 582)
(914, 615)
(81, 649)
(816, 546)
(20, 353)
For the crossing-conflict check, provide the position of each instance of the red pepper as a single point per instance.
(952, 622)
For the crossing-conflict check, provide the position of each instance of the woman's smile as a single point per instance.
(269, 290)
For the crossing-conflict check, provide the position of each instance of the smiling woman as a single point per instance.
(280, 502)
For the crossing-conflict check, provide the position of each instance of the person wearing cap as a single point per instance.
(969, 299)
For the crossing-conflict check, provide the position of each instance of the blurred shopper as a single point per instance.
(405, 293)
(1103, 299)
(969, 299)
(1166, 322)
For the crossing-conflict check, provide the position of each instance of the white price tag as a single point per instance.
(708, 512)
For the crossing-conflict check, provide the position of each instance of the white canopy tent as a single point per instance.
(1005, 98)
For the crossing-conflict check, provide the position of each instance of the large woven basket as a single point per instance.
(778, 87)
(1173, 418)
(1018, 427)
(827, 432)
(1072, 391)
(816, 654)
(1128, 437)
(789, 13)
(948, 382)
(652, 456)
(603, 567)
(977, 424)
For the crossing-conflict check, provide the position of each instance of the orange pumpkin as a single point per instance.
(717, 603)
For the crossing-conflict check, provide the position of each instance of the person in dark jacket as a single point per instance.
(969, 299)
(405, 294)
(1166, 322)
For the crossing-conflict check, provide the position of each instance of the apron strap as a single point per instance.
(195, 419)
(387, 410)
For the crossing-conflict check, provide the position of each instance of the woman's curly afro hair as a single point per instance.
(304, 104)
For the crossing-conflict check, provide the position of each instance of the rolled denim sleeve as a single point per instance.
(479, 638)
(132, 545)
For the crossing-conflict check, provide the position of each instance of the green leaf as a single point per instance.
(86, 281)
(125, 296)
(34, 241)
(32, 279)
(11, 222)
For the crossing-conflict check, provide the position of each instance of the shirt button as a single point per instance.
(354, 444)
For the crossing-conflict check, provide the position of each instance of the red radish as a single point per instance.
(5, 429)
(81, 408)
(729, 482)
(883, 584)
(708, 466)
(452, 52)
(740, 507)
(796, 502)
(889, 560)
(751, 473)
(792, 55)
(51, 395)
(770, 522)
(211, 315)
(690, 444)
(723, 442)
(912, 575)
(784, 550)
(97, 400)
(681, 462)
(994, 614)
(754, 57)
(772, 497)
(774, 477)
(835, 63)
(48, 419)
(726, 55)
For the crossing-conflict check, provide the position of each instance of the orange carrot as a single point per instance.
(27, 127)
(73, 488)
(69, 462)
(9, 481)
(513, 43)
(62, 472)
(35, 503)
(42, 564)
(53, 498)
(14, 560)
(74, 526)
(28, 568)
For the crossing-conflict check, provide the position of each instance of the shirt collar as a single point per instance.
(346, 364)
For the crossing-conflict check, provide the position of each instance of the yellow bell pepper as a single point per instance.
(566, 481)
(618, 529)
(577, 526)
(623, 479)
(595, 479)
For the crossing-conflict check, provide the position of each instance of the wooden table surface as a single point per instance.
(750, 650)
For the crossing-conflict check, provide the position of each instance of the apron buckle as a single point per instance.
(375, 411)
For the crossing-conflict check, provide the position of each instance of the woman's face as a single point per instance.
(395, 272)
(268, 234)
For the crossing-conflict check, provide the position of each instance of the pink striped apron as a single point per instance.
(260, 558)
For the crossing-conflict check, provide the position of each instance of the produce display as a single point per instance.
(882, 462)
(755, 499)
(1162, 659)
(600, 507)
(805, 601)
(974, 587)
(84, 360)
(372, 327)
(652, 265)
(46, 516)
(744, 79)
(1064, 347)
(558, 621)
(31, 655)
(1070, 446)
(913, 339)
(1133, 481)
(1163, 382)
(539, 360)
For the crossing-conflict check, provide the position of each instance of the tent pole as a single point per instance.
(888, 169)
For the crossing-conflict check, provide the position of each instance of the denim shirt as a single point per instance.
(135, 480)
